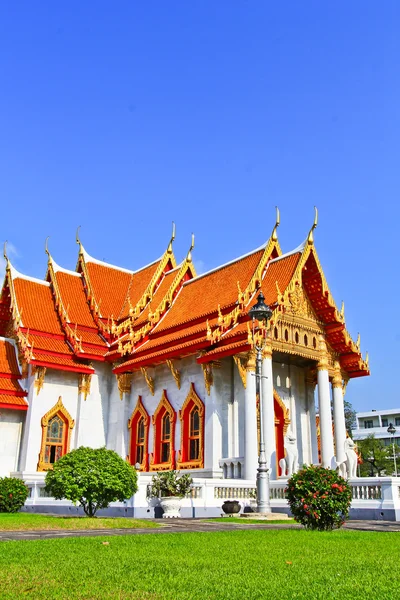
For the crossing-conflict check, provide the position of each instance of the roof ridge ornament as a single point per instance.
(6, 255)
(77, 239)
(310, 238)
(274, 235)
(189, 254)
(169, 249)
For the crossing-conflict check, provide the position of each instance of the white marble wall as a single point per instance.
(102, 418)
(11, 423)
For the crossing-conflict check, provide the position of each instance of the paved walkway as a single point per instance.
(183, 526)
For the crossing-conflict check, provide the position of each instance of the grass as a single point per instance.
(245, 520)
(253, 564)
(25, 521)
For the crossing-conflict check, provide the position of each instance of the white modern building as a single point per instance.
(376, 423)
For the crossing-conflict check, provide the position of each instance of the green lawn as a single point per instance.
(24, 521)
(237, 565)
(245, 520)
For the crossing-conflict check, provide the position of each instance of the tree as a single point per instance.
(92, 477)
(349, 417)
(377, 459)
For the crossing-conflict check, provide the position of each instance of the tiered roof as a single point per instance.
(144, 317)
(11, 393)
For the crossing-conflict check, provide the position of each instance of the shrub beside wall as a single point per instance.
(319, 498)
(13, 493)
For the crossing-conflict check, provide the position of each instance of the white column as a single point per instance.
(250, 422)
(310, 394)
(215, 404)
(324, 401)
(338, 415)
(268, 412)
(120, 417)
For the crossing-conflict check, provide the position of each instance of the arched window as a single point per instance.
(296, 337)
(305, 340)
(276, 333)
(163, 456)
(286, 335)
(56, 427)
(191, 455)
(139, 427)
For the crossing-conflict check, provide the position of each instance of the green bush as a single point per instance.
(13, 493)
(319, 498)
(92, 477)
(170, 483)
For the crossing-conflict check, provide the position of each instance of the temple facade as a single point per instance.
(158, 364)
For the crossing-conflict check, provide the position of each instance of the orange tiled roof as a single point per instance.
(11, 392)
(61, 360)
(110, 288)
(158, 296)
(35, 303)
(10, 385)
(8, 359)
(74, 299)
(138, 284)
(201, 296)
(79, 314)
(52, 344)
(6, 400)
(279, 271)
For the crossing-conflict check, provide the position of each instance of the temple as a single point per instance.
(158, 365)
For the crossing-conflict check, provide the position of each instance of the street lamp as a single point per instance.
(262, 313)
(392, 430)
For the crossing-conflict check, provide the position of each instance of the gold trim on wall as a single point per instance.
(58, 408)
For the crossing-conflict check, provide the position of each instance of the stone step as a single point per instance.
(265, 517)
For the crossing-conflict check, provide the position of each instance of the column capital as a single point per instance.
(251, 361)
(337, 381)
(267, 350)
(322, 364)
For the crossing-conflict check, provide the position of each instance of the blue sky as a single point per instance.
(123, 117)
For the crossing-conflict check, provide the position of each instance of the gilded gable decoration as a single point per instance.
(40, 373)
(175, 373)
(149, 379)
(241, 368)
(124, 383)
(84, 384)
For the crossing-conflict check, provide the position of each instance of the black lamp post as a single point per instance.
(392, 430)
(261, 312)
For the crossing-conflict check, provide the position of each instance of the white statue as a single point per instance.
(342, 469)
(290, 463)
(351, 456)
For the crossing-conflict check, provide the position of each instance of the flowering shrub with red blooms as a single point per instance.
(13, 493)
(319, 498)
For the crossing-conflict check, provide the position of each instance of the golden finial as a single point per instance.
(5, 253)
(310, 235)
(342, 310)
(358, 342)
(274, 235)
(78, 241)
(367, 359)
(172, 238)
(189, 254)
(46, 247)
